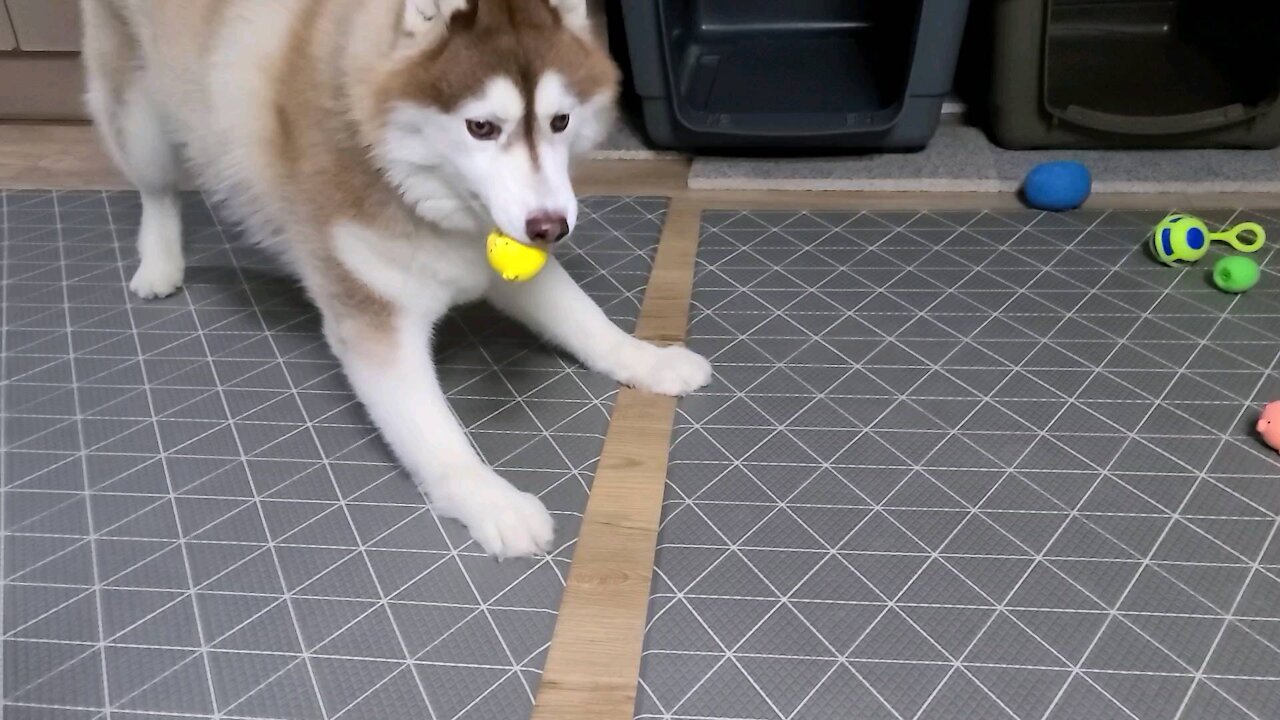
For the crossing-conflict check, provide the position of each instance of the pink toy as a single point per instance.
(1269, 424)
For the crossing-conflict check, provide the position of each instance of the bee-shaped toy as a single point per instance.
(1182, 238)
(513, 260)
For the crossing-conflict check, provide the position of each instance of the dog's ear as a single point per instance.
(574, 15)
(419, 15)
(429, 19)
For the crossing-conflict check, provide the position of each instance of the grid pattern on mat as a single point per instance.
(199, 520)
(968, 465)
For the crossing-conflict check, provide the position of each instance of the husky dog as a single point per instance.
(373, 144)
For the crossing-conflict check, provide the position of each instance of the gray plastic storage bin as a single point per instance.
(1135, 73)
(777, 74)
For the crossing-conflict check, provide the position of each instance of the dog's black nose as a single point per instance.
(546, 227)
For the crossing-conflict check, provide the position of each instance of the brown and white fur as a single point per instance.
(373, 144)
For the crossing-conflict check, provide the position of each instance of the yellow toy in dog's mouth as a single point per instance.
(512, 259)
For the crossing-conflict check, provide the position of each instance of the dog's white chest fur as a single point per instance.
(425, 274)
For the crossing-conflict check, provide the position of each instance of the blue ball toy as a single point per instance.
(1057, 186)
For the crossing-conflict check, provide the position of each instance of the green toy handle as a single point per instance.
(1233, 238)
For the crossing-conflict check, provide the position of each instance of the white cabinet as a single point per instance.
(46, 25)
(7, 40)
(42, 80)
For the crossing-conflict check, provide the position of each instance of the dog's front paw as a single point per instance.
(674, 371)
(157, 279)
(505, 522)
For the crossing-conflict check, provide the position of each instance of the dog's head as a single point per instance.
(495, 98)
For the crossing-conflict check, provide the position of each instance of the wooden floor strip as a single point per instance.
(594, 662)
(665, 315)
(53, 156)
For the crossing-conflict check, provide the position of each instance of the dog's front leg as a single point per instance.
(553, 306)
(388, 361)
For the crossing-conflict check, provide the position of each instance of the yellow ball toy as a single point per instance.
(513, 260)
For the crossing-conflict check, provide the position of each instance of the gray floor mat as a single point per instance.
(199, 520)
(964, 466)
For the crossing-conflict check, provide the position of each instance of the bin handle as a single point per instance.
(1160, 125)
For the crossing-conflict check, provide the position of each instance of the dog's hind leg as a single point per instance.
(132, 128)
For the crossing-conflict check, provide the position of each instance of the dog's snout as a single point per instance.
(547, 227)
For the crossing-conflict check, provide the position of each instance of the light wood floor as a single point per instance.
(594, 659)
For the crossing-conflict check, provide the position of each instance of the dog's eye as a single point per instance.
(483, 129)
(559, 123)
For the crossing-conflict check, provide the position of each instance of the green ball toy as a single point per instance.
(1181, 238)
(1235, 274)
